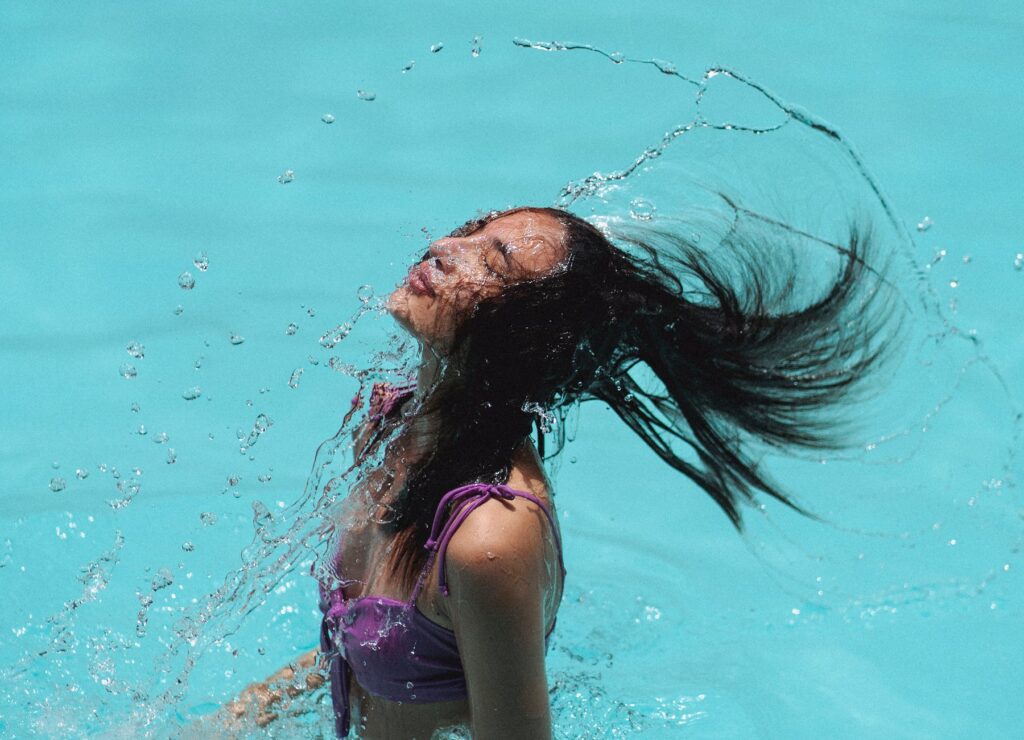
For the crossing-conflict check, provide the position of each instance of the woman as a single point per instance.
(447, 592)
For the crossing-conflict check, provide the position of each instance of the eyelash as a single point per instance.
(504, 251)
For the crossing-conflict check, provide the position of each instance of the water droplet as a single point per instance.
(475, 49)
(667, 67)
(201, 261)
(572, 460)
(641, 209)
(412, 697)
(162, 579)
(234, 480)
(924, 224)
(311, 311)
(57, 484)
(408, 66)
(365, 293)
(142, 430)
(1018, 261)
(954, 283)
(264, 477)
(312, 360)
(967, 259)
(172, 456)
(160, 438)
(335, 335)
(491, 555)
(327, 118)
(434, 48)
(128, 371)
(236, 339)
(186, 281)
(81, 473)
(286, 177)
(188, 546)
(191, 394)
(136, 350)
(293, 381)
(409, 684)
(617, 56)
(208, 518)
(178, 310)
(134, 407)
(366, 95)
(291, 329)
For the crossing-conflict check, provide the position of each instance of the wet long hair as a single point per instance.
(739, 357)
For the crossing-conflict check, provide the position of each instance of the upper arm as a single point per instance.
(496, 578)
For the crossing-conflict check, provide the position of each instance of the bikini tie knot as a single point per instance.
(499, 492)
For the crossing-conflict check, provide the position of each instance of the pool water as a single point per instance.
(155, 438)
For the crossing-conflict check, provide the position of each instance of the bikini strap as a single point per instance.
(442, 530)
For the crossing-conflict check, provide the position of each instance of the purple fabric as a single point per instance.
(390, 646)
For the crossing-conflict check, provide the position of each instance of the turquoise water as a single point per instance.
(137, 137)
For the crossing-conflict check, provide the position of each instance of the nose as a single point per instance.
(440, 251)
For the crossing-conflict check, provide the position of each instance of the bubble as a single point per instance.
(327, 118)
(136, 350)
(142, 430)
(572, 460)
(954, 283)
(434, 48)
(81, 473)
(208, 518)
(264, 477)
(236, 339)
(187, 546)
(57, 484)
(293, 381)
(234, 480)
(191, 394)
(160, 438)
(186, 281)
(291, 329)
(172, 456)
(128, 371)
(408, 66)
(966, 259)
(409, 684)
(1018, 261)
(924, 224)
(198, 363)
(178, 310)
(365, 293)
(366, 95)
(286, 177)
(311, 312)
(641, 209)
(312, 360)
(201, 261)
(134, 407)
(475, 49)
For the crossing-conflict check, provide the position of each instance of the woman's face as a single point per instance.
(459, 271)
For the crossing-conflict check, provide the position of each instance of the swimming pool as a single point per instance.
(139, 138)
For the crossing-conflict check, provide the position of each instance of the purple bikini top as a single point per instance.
(392, 648)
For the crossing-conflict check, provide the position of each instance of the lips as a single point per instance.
(419, 280)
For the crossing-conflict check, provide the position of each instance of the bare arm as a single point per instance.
(497, 581)
(263, 699)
